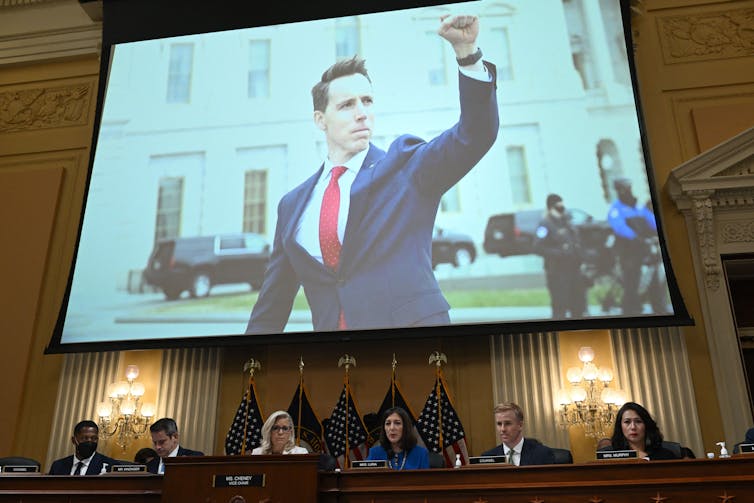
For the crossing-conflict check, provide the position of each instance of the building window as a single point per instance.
(436, 61)
(179, 73)
(451, 201)
(255, 201)
(259, 69)
(169, 205)
(500, 53)
(518, 173)
(581, 54)
(610, 167)
(347, 30)
(616, 43)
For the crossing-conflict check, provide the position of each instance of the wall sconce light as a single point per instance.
(122, 416)
(590, 402)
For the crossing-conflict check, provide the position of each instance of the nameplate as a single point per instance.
(128, 468)
(608, 455)
(20, 469)
(486, 460)
(246, 480)
(746, 448)
(373, 463)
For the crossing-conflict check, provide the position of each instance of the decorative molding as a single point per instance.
(44, 108)
(704, 217)
(739, 231)
(716, 35)
(745, 167)
(51, 44)
(21, 3)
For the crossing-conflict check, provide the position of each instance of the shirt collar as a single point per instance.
(517, 448)
(353, 164)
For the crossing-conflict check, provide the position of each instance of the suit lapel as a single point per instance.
(360, 190)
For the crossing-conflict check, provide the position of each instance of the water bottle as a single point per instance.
(458, 461)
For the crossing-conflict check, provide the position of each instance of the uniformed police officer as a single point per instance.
(558, 242)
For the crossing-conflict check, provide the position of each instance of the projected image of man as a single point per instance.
(357, 234)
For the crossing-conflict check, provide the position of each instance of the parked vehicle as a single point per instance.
(449, 247)
(198, 263)
(510, 234)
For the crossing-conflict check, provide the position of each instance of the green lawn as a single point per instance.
(456, 298)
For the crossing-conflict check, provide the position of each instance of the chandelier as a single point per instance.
(122, 416)
(590, 402)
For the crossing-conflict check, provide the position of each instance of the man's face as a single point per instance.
(86, 434)
(164, 443)
(509, 427)
(348, 119)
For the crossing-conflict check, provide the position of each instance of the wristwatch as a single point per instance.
(471, 58)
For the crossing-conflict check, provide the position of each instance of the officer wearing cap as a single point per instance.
(557, 241)
(633, 225)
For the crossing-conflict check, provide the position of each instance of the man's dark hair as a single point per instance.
(165, 424)
(342, 68)
(84, 424)
(144, 454)
(408, 438)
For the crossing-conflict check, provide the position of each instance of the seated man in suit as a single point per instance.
(85, 460)
(519, 451)
(165, 436)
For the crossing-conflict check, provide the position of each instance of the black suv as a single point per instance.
(198, 263)
(513, 233)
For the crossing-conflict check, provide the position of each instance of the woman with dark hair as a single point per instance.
(636, 430)
(398, 443)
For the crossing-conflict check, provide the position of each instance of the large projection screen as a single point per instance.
(205, 121)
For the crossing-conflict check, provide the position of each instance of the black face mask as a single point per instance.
(86, 449)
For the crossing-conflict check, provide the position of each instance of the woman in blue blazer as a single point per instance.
(398, 443)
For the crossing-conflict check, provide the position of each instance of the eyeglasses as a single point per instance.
(281, 428)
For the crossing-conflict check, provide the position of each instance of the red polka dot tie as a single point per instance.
(328, 226)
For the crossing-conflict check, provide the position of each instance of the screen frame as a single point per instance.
(124, 21)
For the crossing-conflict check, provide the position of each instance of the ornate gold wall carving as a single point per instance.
(716, 35)
(45, 107)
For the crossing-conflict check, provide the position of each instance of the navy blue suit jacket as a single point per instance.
(385, 276)
(532, 453)
(63, 466)
(154, 464)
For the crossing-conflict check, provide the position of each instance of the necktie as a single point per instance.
(79, 466)
(328, 227)
(328, 220)
(510, 457)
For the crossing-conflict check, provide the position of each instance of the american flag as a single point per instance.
(305, 420)
(439, 425)
(335, 430)
(248, 419)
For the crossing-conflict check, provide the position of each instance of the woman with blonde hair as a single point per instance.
(278, 436)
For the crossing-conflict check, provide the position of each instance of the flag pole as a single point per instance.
(347, 360)
(300, 397)
(438, 358)
(251, 366)
(392, 382)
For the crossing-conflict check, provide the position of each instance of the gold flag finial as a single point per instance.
(438, 358)
(347, 360)
(395, 362)
(252, 366)
(301, 364)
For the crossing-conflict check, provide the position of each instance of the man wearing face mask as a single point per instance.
(85, 460)
(558, 242)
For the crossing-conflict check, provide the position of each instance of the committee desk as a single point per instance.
(688, 481)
